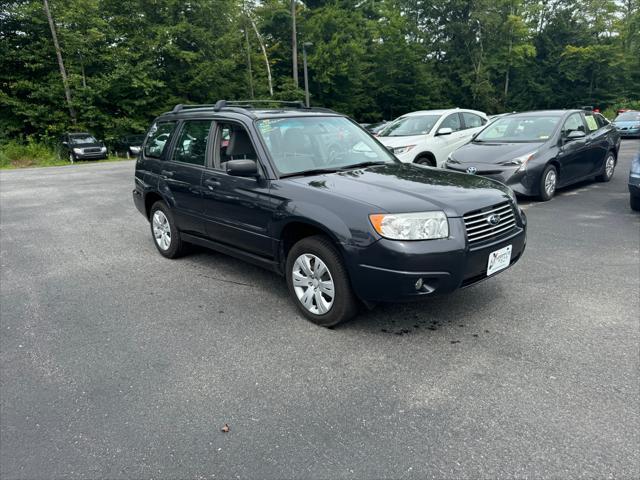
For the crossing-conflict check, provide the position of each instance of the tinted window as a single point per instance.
(157, 139)
(191, 146)
(574, 122)
(472, 120)
(411, 125)
(452, 122)
(602, 122)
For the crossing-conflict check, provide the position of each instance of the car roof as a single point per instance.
(441, 111)
(548, 113)
(254, 109)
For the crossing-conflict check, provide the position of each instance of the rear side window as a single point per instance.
(602, 122)
(157, 139)
(592, 123)
(191, 146)
(472, 120)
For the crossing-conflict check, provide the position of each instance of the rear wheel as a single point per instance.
(319, 283)
(548, 183)
(166, 236)
(608, 168)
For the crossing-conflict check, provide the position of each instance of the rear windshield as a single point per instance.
(309, 143)
(628, 117)
(514, 129)
(406, 126)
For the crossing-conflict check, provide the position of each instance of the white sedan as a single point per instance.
(428, 137)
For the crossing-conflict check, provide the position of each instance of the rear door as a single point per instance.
(180, 179)
(574, 153)
(472, 124)
(597, 141)
(445, 144)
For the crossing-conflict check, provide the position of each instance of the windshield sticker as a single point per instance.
(591, 122)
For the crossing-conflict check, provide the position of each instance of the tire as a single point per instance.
(548, 190)
(72, 157)
(634, 203)
(164, 231)
(425, 160)
(307, 258)
(608, 168)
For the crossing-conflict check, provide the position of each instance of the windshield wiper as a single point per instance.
(362, 165)
(315, 171)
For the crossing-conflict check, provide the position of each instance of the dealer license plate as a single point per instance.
(499, 260)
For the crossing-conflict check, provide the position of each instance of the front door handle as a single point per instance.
(166, 173)
(211, 183)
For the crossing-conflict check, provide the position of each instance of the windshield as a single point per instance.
(302, 144)
(413, 125)
(628, 117)
(515, 129)
(80, 139)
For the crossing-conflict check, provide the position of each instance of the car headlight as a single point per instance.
(79, 151)
(521, 161)
(404, 149)
(411, 226)
(103, 149)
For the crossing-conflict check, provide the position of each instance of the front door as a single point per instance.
(574, 153)
(237, 210)
(445, 144)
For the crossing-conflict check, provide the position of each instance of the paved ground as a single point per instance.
(118, 363)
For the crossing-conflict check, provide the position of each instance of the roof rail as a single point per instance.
(220, 104)
(179, 107)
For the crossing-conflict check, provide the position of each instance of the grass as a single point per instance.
(36, 154)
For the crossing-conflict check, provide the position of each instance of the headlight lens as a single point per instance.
(404, 149)
(522, 161)
(103, 149)
(77, 150)
(134, 149)
(411, 226)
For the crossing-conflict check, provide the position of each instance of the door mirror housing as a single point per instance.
(242, 168)
(575, 135)
(445, 131)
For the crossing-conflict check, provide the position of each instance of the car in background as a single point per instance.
(493, 118)
(128, 145)
(628, 124)
(374, 128)
(82, 146)
(537, 152)
(427, 137)
(634, 183)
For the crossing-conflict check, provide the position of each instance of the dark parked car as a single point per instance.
(628, 124)
(129, 145)
(309, 194)
(82, 146)
(634, 183)
(536, 152)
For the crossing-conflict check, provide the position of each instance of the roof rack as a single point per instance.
(244, 105)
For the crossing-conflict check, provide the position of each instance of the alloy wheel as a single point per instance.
(609, 166)
(161, 230)
(550, 182)
(313, 284)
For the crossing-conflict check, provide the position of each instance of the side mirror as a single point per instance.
(445, 131)
(575, 135)
(242, 168)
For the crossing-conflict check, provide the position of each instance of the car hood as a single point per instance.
(400, 187)
(631, 123)
(492, 153)
(402, 141)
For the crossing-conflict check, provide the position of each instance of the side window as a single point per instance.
(592, 123)
(452, 122)
(191, 146)
(602, 122)
(574, 122)
(233, 143)
(472, 120)
(157, 139)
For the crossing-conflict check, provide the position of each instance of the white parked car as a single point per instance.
(428, 137)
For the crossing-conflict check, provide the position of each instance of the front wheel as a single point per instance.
(319, 283)
(72, 157)
(426, 161)
(609, 168)
(548, 183)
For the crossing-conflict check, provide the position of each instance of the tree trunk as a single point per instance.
(264, 52)
(63, 72)
(246, 37)
(294, 43)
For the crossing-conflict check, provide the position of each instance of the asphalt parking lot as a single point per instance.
(118, 363)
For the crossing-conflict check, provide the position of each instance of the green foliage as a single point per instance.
(32, 153)
(129, 60)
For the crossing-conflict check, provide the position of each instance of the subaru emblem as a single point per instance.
(472, 170)
(493, 219)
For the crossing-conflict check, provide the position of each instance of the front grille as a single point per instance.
(478, 226)
(92, 150)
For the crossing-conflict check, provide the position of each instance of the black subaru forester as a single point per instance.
(309, 194)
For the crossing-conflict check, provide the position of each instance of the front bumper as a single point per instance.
(629, 132)
(90, 156)
(522, 182)
(388, 270)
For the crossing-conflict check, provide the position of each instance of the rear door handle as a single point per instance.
(166, 173)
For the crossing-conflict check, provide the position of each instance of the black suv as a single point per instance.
(82, 146)
(309, 194)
